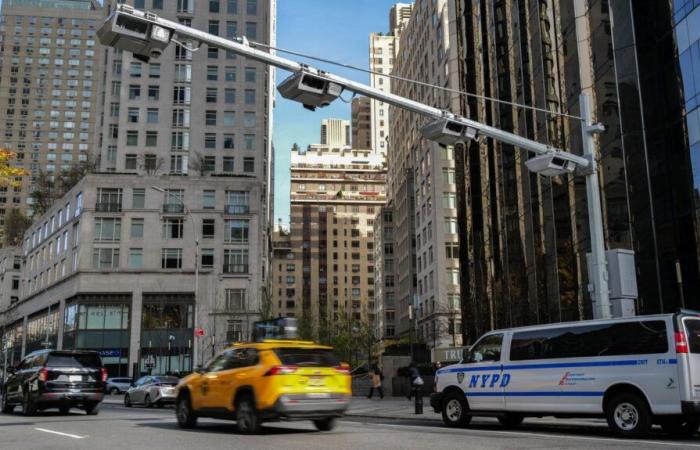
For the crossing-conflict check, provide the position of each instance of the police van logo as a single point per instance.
(460, 377)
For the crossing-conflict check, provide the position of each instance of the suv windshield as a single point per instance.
(309, 357)
(87, 360)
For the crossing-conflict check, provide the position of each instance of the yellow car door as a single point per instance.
(204, 387)
(236, 372)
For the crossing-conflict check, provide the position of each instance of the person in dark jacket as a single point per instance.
(415, 381)
(376, 376)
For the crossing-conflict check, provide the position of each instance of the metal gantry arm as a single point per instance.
(146, 35)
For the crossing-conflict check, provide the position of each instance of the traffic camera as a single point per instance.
(550, 165)
(313, 91)
(448, 132)
(138, 35)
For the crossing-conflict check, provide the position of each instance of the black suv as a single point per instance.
(60, 379)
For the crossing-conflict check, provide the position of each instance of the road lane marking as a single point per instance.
(74, 436)
(620, 441)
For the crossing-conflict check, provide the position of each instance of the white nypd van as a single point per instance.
(635, 372)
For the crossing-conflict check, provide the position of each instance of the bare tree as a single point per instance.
(151, 164)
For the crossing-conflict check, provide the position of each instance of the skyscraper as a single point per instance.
(48, 88)
(523, 238)
(383, 49)
(361, 123)
(324, 268)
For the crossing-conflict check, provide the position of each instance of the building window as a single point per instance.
(154, 70)
(236, 231)
(132, 138)
(237, 202)
(107, 229)
(152, 115)
(173, 228)
(151, 138)
(249, 164)
(171, 258)
(232, 6)
(209, 199)
(250, 96)
(452, 250)
(451, 225)
(210, 140)
(453, 276)
(228, 164)
(208, 228)
(207, 258)
(251, 30)
(138, 198)
(210, 118)
(235, 261)
(235, 299)
(153, 93)
(229, 141)
(229, 118)
(134, 92)
(135, 69)
(130, 162)
(135, 258)
(105, 258)
(230, 73)
(212, 73)
(136, 228)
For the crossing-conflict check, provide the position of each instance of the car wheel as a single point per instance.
(147, 401)
(247, 419)
(92, 409)
(7, 407)
(511, 420)
(186, 418)
(28, 406)
(455, 410)
(680, 427)
(127, 401)
(326, 424)
(114, 391)
(64, 409)
(628, 415)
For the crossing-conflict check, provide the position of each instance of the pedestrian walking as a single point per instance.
(376, 377)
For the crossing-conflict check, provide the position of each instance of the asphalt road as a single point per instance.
(117, 427)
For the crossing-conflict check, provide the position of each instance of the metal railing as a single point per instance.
(174, 208)
(108, 207)
(237, 209)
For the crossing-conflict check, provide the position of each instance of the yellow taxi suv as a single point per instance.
(270, 380)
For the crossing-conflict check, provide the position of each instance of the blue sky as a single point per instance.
(334, 29)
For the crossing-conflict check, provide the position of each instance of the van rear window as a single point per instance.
(307, 357)
(692, 327)
(615, 339)
(87, 360)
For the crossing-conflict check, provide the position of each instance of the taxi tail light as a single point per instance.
(103, 372)
(681, 342)
(43, 374)
(343, 368)
(281, 370)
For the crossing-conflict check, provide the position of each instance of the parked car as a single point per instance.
(267, 381)
(60, 379)
(152, 391)
(634, 371)
(118, 385)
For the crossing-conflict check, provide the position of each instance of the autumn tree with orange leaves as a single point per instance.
(8, 173)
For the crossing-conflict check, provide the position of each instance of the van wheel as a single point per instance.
(64, 409)
(247, 419)
(92, 409)
(186, 418)
(680, 427)
(455, 410)
(628, 415)
(511, 420)
(127, 401)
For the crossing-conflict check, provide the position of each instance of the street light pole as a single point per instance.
(600, 292)
(146, 35)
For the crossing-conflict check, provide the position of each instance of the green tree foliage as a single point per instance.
(16, 223)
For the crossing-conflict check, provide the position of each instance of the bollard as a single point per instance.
(418, 395)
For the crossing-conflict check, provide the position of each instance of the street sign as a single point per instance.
(199, 332)
(150, 362)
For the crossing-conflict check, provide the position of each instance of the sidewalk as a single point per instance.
(390, 408)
